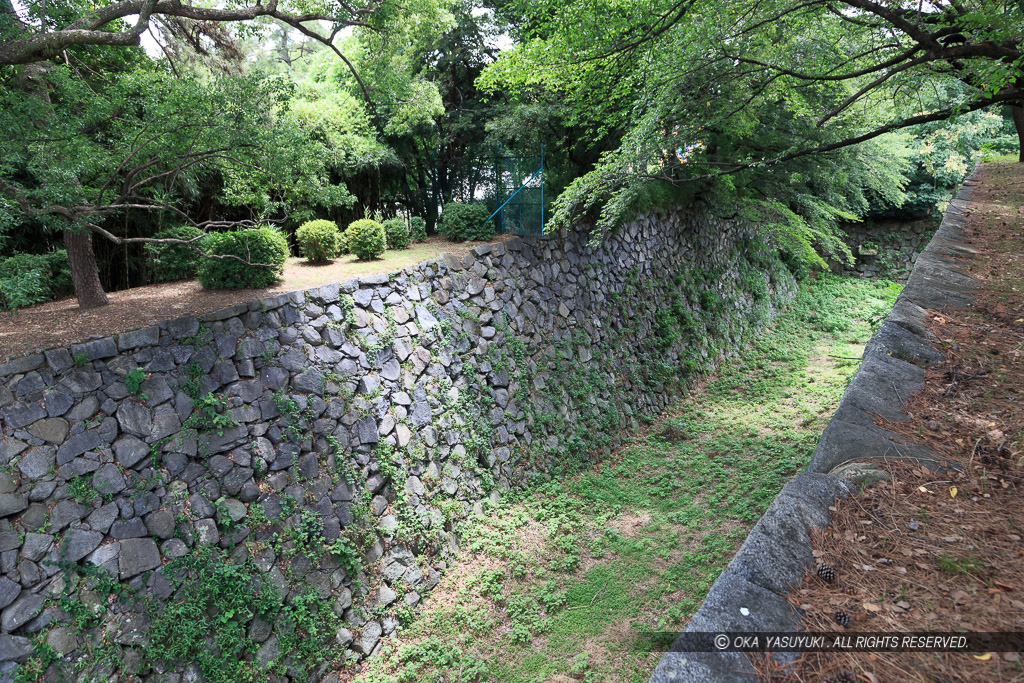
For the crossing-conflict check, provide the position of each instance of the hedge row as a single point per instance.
(221, 260)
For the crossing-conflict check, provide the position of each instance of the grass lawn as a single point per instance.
(558, 583)
(993, 158)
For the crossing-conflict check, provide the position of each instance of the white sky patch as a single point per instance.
(501, 42)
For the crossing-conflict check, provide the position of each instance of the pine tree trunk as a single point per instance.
(1017, 111)
(84, 271)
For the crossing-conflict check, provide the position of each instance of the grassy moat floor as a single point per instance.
(560, 583)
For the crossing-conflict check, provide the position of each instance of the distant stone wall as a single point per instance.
(323, 445)
(885, 249)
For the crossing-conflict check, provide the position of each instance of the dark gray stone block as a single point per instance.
(130, 450)
(78, 543)
(21, 611)
(77, 445)
(12, 503)
(22, 365)
(57, 403)
(180, 328)
(684, 667)
(128, 528)
(21, 414)
(135, 418)
(309, 382)
(64, 513)
(59, 360)
(38, 462)
(108, 479)
(13, 649)
(147, 336)
(137, 555)
(95, 350)
(9, 591)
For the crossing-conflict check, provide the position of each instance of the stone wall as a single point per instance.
(752, 594)
(265, 492)
(885, 249)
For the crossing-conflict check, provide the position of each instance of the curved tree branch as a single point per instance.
(899, 124)
(193, 244)
(893, 61)
(849, 101)
(329, 42)
(88, 29)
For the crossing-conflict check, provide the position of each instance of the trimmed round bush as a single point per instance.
(365, 239)
(318, 240)
(418, 229)
(462, 222)
(264, 245)
(175, 261)
(397, 233)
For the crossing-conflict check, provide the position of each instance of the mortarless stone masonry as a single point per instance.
(887, 249)
(380, 411)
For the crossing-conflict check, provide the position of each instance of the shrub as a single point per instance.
(397, 233)
(20, 290)
(175, 261)
(462, 222)
(264, 245)
(206, 620)
(319, 240)
(30, 279)
(417, 229)
(343, 244)
(365, 239)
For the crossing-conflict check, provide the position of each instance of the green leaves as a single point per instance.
(336, 121)
(319, 240)
(420, 106)
(215, 598)
(752, 105)
(149, 141)
(252, 257)
(29, 279)
(366, 239)
(464, 222)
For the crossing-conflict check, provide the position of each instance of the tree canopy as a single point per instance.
(798, 114)
(787, 103)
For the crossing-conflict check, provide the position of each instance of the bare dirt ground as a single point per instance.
(60, 323)
(941, 551)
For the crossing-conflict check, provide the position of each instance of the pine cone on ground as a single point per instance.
(842, 618)
(826, 572)
(844, 676)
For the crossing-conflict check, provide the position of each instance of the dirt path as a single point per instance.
(60, 323)
(931, 551)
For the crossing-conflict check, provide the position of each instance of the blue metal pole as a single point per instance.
(542, 188)
(499, 187)
(513, 195)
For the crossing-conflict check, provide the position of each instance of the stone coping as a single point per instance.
(327, 293)
(750, 594)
